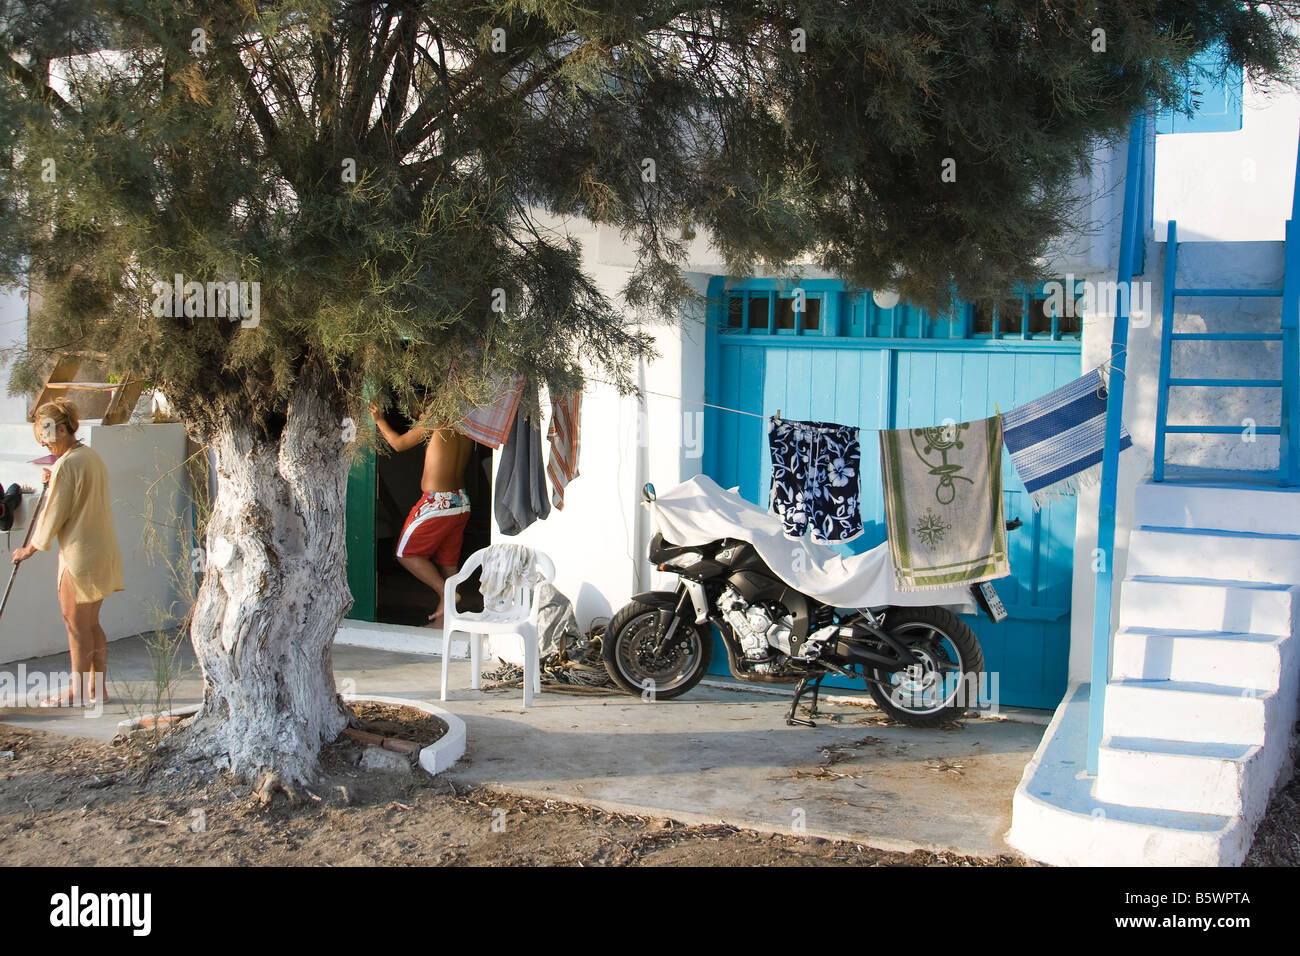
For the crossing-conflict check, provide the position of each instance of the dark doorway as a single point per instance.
(400, 598)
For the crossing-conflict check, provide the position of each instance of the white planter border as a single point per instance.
(435, 758)
(444, 751)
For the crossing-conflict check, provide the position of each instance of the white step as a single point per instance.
(1174, 774)
(1199, 603)
(1184, 710)
(1216, 555)
(1057, 818)
(1210, 657)
(1223, 507)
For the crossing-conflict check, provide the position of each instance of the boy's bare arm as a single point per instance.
(399, 441)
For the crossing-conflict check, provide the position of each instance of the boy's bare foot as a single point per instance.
(435, 619)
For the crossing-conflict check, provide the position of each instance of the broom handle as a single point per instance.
(31, 526)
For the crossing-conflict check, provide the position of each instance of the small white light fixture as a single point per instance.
(884, 298)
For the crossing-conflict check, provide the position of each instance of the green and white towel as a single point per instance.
(943, 504)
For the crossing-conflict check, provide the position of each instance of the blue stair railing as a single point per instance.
(1131, 254)
(1288, 429)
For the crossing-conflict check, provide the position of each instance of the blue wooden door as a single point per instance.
(896, 383)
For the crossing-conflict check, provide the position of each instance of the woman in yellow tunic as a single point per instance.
(79, 513)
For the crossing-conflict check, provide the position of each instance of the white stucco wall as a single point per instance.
(598, 541)
(1233, 186)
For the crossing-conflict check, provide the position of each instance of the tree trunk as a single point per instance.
(273, 593)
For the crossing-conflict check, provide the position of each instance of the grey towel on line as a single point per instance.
(521, 496)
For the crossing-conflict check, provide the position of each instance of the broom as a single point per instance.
(31, 526)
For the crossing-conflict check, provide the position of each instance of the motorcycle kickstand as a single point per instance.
(790, 719)
(817, 689)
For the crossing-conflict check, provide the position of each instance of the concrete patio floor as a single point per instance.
(714, 755)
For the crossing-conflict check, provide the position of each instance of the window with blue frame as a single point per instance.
(823, 308)
(769, 307)
(1213, 96)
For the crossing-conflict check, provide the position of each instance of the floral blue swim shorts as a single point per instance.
(815, 473)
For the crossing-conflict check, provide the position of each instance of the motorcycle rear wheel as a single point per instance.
(628, 656)
(925, 695)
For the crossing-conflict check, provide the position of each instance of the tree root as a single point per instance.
(271, 784)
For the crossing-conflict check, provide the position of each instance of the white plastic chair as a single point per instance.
(518, 617)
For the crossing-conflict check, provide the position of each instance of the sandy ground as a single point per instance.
(73, 801)
(70, 801)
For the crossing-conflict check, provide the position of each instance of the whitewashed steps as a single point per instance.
(1240, 661)
(1202, 698)
(1217, 555)
(1174, 774)
(1057, 818)
(1198, 603)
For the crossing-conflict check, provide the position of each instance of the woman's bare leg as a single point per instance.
(100, 657)
(81, 644)
(87, 643)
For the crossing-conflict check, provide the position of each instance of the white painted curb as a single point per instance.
(444, 751)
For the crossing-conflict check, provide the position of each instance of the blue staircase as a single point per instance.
(1288, 429)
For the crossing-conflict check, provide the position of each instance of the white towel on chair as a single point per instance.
(506, 569)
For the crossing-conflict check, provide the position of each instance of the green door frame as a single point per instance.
(360, 536)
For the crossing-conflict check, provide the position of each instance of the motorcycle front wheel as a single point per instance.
(629, 654)
(944, 680)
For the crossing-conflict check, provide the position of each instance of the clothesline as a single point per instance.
(724, 408)
(1104, 366)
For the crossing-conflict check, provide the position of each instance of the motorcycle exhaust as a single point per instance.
(741, 673)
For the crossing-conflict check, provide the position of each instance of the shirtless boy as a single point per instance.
(429, 546)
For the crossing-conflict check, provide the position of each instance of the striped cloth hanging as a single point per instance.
(490, 424)
(1056, 441)
(563, 437)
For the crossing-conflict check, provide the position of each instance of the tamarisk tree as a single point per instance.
(279, 211)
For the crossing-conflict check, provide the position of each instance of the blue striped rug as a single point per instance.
(1056, 441)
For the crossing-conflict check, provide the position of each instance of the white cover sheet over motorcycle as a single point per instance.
(698, 511)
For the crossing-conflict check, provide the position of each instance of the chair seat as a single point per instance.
(492, 621)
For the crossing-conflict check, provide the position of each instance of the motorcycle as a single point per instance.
(919, 663)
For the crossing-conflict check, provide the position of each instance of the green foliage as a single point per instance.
(230, 159)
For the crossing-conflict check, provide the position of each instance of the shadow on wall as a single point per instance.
(590, 604)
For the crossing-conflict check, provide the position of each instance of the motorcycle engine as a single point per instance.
(758, 634)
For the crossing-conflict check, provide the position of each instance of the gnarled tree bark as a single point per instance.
(274, 591)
